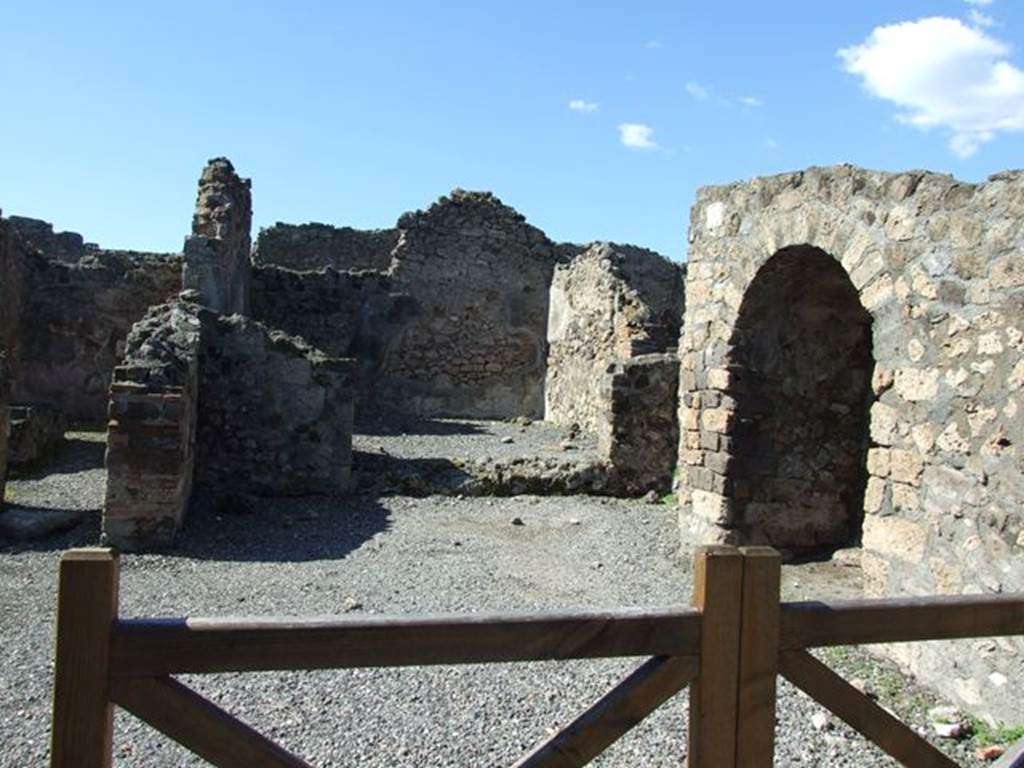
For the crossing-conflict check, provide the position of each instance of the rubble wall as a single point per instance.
(12, 264)
(151, 429)
(899, 318)
(477, 276)
(608, 304)
(39, 235)
(310, 247)
(75, 318)
(637, 433)
(5, 425)
(343, 314)
(275, 415)
(217, 254)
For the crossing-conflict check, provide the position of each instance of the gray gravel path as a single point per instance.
(403, 556)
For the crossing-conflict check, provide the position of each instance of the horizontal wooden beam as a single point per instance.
(172, 646)
(891, 735)
(857, 622)
(199, 724)
(614, 714)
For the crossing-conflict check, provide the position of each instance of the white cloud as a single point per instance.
(751, 101)
(582, 105)
(698, 91)
(980, 19)
(981, 3)
(943, 73)
(637, 136)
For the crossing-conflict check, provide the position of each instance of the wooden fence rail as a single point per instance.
(729, 649)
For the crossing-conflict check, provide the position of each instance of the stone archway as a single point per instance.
(801, 363)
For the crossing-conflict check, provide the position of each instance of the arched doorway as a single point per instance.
(801, 365)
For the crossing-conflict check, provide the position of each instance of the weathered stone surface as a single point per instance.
(58, 246)
(344, 314)
(5, 425)
(637, 432)
(872, 365)
(473, 343)
(151, 429)
(608, 304)
(37, 432)
(64, 324)
(311, 247)
(275, 415)
(217, 255)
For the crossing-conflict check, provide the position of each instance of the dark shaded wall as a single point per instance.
(316, 246)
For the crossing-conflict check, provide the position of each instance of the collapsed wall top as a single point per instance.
(217, 253)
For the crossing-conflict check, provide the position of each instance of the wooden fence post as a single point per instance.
(758, 658)
(718, 593)
(86, 609)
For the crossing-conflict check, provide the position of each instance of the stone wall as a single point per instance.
(638, 433)
(36, 434)
(275, 415)
(608, 304)
(474, 344)
(12, 262)
(151, 429)
(74, 320)
(344, 314)
(5, 425)
(857, 336)
(315, 246)
(39, 235)
(217, 254)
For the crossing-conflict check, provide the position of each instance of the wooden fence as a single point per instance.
(729, 648)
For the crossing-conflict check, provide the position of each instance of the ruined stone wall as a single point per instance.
(637, 433)
(217, 255)
(275, 415)
(39, 235)
(5, 425)
(316, 246)
(12, 260)
(884, 313)
(343, 314)
(478, 277)
(608, 304)
(151, 429)
(74, 320)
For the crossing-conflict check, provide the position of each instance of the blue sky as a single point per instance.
(597, 120)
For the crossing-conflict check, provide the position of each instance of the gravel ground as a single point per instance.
(401, 555)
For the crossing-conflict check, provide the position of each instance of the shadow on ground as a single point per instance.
(74, 455)
(280, 529)
(414, 426)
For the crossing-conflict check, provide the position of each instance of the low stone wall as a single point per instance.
(638, 432)
(217, 254)
(275, 415)
(313, 246)
(608, 304)
(151, 429)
